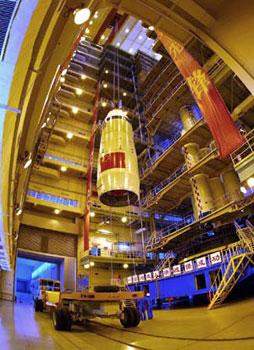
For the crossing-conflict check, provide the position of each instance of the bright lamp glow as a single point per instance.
(92, 263)
(63, 168)
(79, 91)
(28, 161)
(243, 189)
(69, 135)
(62, 79)
(74, 110)
(151, 27)
(19, 211)
(250, 182)
(83, 76)
(104, 104)
(124, 219)
(92, 214)
(81, 15)
(57, 211)
(125, 266)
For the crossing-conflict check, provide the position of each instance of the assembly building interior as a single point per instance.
(127, 174)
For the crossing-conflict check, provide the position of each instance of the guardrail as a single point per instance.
(246, 149)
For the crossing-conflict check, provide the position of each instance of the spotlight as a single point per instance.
(127, 30)
(124, 219)
(118, 44)
(83, 76)
(18, 211)
(106, 71)
(75, 110)
(91, 263)
(87, 31)
(250, 182)
(125, 266)
(81, 15)
(151, 28)
(63, 168)
(57, 211)
(90, 22)
(104, 104)
(27, 161)
(105, 85)
(243, 190)
(62, 79)
(103, 37)
(69, 135)
(86, 266)
(92, 214)
(96, 14)
(79, 91)
(64, 72)
(131, 50)
(43, 125)
(124, 93)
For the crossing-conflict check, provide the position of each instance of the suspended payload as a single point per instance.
(117, 171)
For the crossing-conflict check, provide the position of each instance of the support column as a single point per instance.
(187, 117)
(7, 285)
(202, 194)
(217, 191)
(232, 185)
(191, 154)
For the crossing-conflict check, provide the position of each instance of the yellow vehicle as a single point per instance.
(104, 302)
(45, 293)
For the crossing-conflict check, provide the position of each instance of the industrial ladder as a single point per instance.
(166, 262)
(235, 261)
(246, 234)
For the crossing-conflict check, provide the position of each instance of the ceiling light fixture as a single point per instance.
(104, 104)
(131, 50)
(92, 214)
(79, 91)
(86, 266)
(127, 30)
(43, 125)
(96, 14)
(104, 231)
(90, 22)
(124, 93)
(140, 37)
(92, 263)
(125, 266)
(103, 37)
(106, 71)
(69, 135)
(87, 31)
(64, 72)
(63, 168)
(27, 161)
(18, 211)
(75, 110)
(83, 76)
(57, 211)
(124, 219)
(81, 15)
(151, 28)
(105, 85)
(62, 79)
(118, 44)
(243, 190)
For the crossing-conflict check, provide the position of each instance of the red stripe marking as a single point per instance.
(113, 160)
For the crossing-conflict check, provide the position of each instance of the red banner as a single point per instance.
(215, 112)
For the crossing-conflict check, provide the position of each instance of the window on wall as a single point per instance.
(200, 282)
(53, 199)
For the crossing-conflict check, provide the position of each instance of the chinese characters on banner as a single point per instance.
(201, 262)
(188, 266)
(226, 135)
(141, 277)
(215, 258)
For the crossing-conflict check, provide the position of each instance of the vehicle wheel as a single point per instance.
(67, 320)
(40, 305)
(130, 317)
(58, 319)
(36, 305)
(135, 317)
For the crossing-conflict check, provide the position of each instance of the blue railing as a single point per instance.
(53, 198)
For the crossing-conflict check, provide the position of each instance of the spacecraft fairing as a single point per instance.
(117, 172)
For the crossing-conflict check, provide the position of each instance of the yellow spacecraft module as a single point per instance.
(117, 172)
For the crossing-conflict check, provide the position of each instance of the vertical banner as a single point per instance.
(215, 112)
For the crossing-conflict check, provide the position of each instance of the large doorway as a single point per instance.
(30, 269)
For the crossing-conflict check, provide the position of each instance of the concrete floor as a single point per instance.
(230, 327)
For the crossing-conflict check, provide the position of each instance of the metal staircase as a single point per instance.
(166, 262)
(235, 261)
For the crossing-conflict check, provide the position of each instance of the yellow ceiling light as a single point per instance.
(96, 14)
(83, 76)
(106, 71)
(103, 37)
(124, 219)
(64, 72)
(104, 104)
(86, 266)
(75, 110)
(90, 22)
(57, 211)
(92, 214)
(69, 135)
(125, 266)
(18, 211)
(43, 125)
(124, 93)
(92, 263)
(151, 28)
(79, 91)
(81, 15)
(63, 168)
(28, 161)
(105, 85)
(243, 189)
(87, 31)
(62, 79)
(250, 182)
